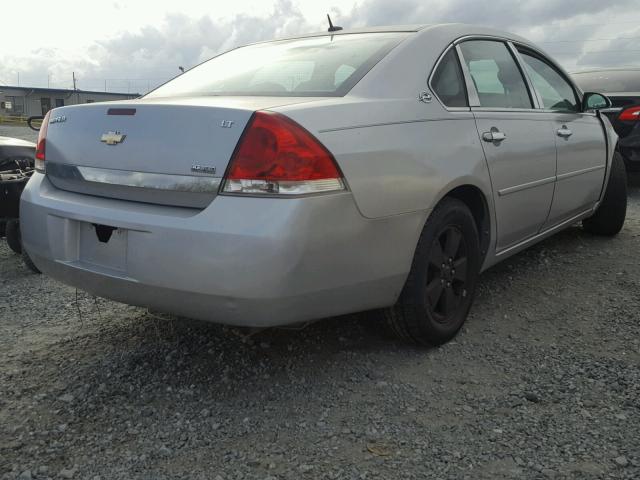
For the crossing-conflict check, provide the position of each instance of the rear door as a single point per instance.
(517, 139)
(579, 137)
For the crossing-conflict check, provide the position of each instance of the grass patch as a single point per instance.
(13, 120)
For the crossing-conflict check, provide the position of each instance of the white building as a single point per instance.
(27, 101)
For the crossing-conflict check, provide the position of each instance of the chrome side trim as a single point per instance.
(525, 186)
(158, 181)
(535, 96)
(510, 110)
(580, 172)
(535, 52)
(516, 43)
(544, 181)
(164, 189)
(472, 93)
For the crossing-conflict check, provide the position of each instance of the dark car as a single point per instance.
(622, 86)
(16, 167)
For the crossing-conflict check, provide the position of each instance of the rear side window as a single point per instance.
(447, 82)
(495, 75)
(328, 65)
(555, 90)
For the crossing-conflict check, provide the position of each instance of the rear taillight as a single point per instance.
(42, 143)
(630, 114)
(277, 156)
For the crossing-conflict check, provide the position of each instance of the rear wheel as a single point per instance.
(13, 236)
(610, 215)
(440, 287)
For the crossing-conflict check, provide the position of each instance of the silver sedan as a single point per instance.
(292, 180)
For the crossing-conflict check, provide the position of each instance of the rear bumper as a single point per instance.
(628, 140)
(241, 261)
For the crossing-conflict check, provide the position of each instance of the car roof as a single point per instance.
(453, 30)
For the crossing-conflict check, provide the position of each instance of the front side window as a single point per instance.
(555, 92)
(447, 82)
(327, 65)
(495, 74)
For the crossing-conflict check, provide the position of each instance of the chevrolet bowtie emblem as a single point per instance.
(112, 138)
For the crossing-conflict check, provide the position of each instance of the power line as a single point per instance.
(600, 25)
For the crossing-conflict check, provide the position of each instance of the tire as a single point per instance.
(436, 298)
(28, 262)
(610, 215)
(13, 236)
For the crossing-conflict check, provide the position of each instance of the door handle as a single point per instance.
(494, 135)
(564, 132)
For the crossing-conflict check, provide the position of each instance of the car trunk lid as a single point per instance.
(167, 151)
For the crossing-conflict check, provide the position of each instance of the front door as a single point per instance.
(582, 154)
(517, 139)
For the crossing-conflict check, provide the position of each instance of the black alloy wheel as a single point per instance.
(447, 274)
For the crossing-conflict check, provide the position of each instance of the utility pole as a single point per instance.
(18, 78)
(75, 89)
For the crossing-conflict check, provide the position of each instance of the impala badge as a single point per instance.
(203, 169)
(112, 138)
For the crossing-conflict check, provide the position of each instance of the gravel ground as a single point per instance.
(25, 133)
(543, 382)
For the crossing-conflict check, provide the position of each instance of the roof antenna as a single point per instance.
(331, 27)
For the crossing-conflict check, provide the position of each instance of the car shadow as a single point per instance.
(179, 353)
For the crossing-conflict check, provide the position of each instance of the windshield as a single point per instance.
(317, 66)
(609, 81)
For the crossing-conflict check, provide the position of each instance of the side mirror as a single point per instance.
(595, 101)
(35, 122)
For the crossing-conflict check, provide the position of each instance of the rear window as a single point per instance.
(317, 66)
(609, 81)
(448, 82)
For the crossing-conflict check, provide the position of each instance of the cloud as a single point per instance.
(497, 13)
(138, 60)
(565, 29)
(620, 51)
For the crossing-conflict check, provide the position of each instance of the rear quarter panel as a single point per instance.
(399, 156)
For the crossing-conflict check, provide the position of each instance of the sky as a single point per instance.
(134, 45)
